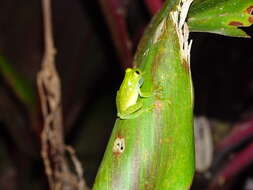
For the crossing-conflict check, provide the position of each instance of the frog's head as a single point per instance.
(136, 70)
(134, 75)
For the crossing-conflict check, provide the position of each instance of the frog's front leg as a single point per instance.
(132, 111)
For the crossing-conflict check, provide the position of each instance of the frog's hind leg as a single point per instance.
(132, 112)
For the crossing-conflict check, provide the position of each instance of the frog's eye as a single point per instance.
(137, 72)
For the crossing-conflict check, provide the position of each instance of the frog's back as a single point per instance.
(128, 93)
(126, 98)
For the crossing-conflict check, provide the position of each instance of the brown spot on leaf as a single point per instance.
(158, 105)
(235, 23)
(251, 19)
(185, 65)
(118, 146)
(167, 140)
(249, 10)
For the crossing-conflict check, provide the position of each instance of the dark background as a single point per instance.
(91, 72)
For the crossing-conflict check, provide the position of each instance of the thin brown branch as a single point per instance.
(60, 176)
(48, 30)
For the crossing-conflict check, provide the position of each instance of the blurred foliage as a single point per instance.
(221, 16)
(19, 84)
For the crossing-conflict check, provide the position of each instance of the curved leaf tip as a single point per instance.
(221, 16)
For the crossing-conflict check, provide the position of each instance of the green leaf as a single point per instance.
(221, 16)
(19, 84)
(155, 151)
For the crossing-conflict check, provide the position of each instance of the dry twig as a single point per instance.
(57, 168)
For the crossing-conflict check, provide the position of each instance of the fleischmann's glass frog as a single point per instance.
(129, 104)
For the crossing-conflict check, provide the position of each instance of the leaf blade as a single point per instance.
(221, 16)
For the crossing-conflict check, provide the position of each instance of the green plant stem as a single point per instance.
(156, 150)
